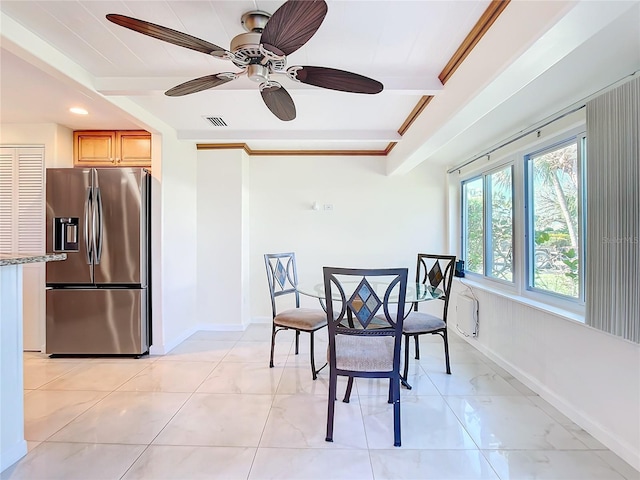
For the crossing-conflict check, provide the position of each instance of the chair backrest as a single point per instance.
(361, 294)
(282, 277)
(437, 271)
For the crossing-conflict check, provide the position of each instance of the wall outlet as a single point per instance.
(328, 206)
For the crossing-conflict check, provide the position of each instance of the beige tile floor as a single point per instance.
(213, 409)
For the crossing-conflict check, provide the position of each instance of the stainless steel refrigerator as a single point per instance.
(98, 299)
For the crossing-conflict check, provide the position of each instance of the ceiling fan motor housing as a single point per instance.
(246, 49)
(246, 42)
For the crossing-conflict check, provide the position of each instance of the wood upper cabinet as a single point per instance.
(114, 148)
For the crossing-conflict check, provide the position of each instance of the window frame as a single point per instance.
(465, 223)
(516, 159)
(488, 240)
(486, 207)
(580, 140)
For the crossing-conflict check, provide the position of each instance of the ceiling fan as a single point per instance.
(261, 53)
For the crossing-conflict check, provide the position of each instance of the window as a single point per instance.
(553, 226)
(473, 219)
(495, 215)
(500, 224)
(546, 228)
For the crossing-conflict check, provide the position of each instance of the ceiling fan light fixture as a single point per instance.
(258, 73)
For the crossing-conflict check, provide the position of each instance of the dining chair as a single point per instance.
(358, 346)
(282, 276)
(437, 271)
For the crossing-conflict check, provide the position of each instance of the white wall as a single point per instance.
(176, 217)
(590, 376)
(12, 443)
(223, 239)
(57, 141)
(376, 221)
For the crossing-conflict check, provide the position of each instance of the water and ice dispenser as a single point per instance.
(65, 234)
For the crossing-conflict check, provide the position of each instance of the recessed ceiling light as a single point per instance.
(78, 110)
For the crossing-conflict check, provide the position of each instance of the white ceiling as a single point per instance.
(57, 54)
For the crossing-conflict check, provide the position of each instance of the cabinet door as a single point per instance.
(94, 149)
(134, 149)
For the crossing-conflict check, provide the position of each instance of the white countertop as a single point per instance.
(16, 259)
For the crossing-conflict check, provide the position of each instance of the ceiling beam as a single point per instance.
(296, 153)
(142, 86)
(220, 134)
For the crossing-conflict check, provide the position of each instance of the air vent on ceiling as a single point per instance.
(216, 121)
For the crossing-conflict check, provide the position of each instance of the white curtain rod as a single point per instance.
(543, 123)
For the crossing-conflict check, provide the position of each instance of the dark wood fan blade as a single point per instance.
(278, 100)
(200, 84)
(334, 79)
(292, 25)
(166, 34)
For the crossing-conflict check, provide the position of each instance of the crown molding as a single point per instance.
(493, 11)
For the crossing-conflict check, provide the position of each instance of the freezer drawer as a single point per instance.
(96, 321)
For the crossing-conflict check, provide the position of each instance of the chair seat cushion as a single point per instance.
(418, 322)
(364, 353)
(301, 318)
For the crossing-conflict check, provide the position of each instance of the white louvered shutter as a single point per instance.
(22, 200)
(31, 200)
(6, 200)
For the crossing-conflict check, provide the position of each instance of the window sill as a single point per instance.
(543, 307)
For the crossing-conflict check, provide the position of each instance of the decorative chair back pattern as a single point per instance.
(282, 277)
(437, 271)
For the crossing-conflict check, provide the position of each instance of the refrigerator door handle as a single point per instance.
(98, 226)
(88, 212)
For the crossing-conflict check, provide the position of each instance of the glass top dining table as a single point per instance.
(416, 292)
